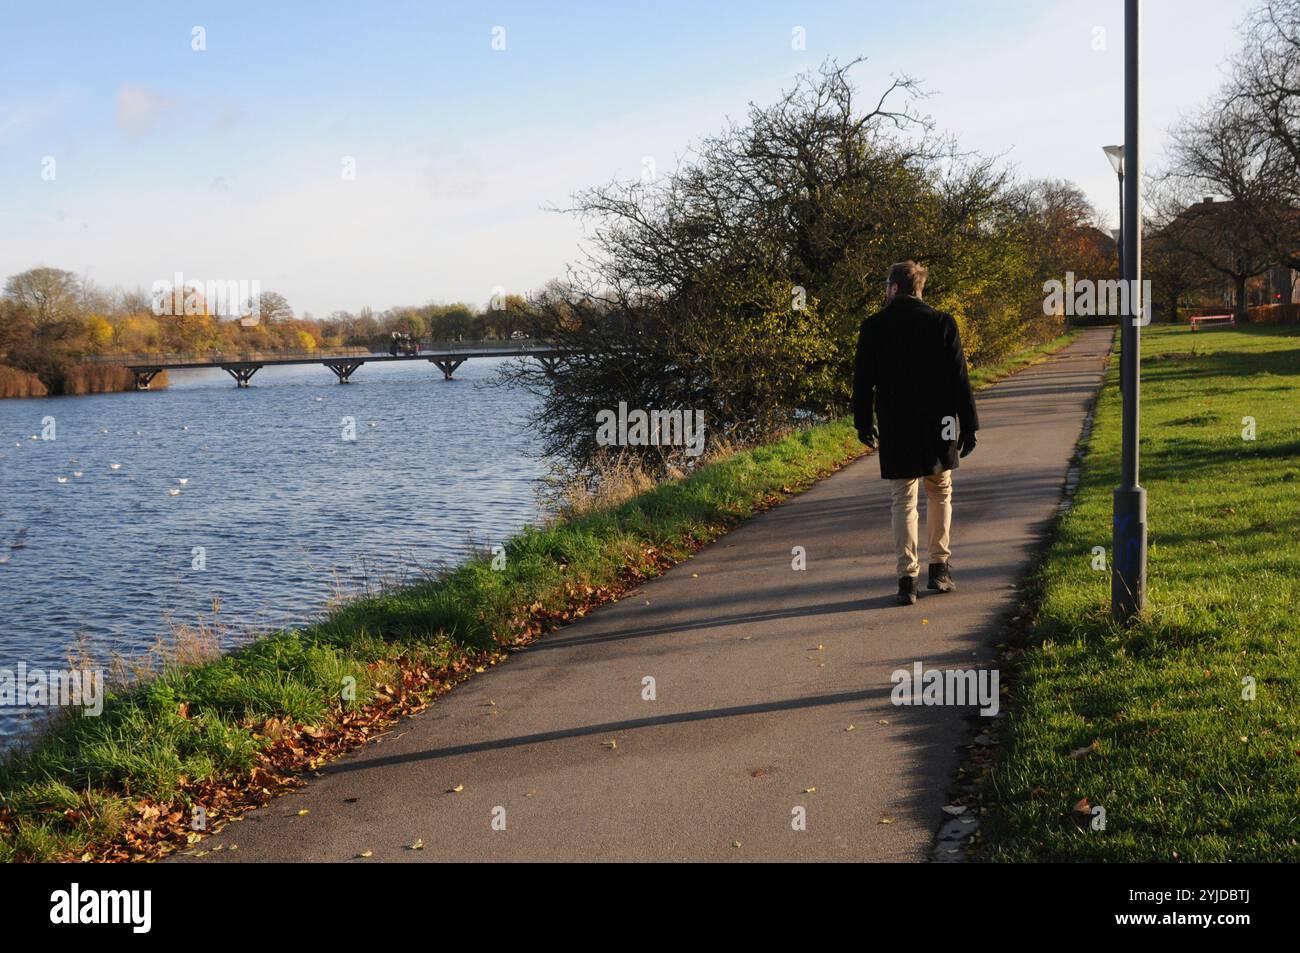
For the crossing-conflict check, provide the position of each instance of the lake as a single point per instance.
(277, 515)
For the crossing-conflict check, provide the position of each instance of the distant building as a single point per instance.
(1278, 285)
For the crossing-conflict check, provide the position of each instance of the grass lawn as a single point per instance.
(1184, 766)
(231, 732)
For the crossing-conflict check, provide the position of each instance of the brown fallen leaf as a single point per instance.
(1094, 748)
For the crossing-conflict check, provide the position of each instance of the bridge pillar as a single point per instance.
(144, 376)
(343, 369)
(242, 373)
(447, 365)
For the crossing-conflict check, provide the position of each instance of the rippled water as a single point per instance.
(287, 512)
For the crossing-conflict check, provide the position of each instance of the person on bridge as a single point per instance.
(910, 371)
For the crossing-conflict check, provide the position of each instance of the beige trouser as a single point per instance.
(938, 519)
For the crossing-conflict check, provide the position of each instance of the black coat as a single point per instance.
(911, 370)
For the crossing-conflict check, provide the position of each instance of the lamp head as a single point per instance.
(1116, 156)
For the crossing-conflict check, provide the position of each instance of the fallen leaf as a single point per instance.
(1094, 748)
(418, 845)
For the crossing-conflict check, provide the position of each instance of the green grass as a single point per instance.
(988, 374)
(1185, 768)
(163, 740)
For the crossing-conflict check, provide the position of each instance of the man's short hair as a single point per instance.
(909, 276)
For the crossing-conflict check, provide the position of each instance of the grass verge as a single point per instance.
(1156, 723)
(230, 733)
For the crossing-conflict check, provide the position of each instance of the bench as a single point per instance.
(1214, 320)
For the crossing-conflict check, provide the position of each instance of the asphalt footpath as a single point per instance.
(736, 708)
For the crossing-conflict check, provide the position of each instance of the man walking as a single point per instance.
(911, 371)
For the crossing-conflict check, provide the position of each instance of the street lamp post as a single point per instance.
(1116, 156)
(1129, 522)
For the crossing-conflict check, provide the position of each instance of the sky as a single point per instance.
(380, 153)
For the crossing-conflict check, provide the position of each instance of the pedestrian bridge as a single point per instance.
(447, 356)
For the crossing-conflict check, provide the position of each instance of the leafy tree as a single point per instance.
(735, 284)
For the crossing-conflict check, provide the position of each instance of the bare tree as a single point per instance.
(1265, 91)
(273, 307)
(1221, 152)
(48, 295)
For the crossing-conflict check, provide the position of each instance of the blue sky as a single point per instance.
(227, 162)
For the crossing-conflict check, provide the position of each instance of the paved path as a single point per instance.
(759, 671)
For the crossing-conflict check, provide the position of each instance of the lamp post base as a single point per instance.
(1128, 574)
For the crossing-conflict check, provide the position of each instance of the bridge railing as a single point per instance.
(243, 357)
(220, 357)
(494, 344)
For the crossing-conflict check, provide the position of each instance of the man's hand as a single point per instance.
(966, 443)
(868, 437)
